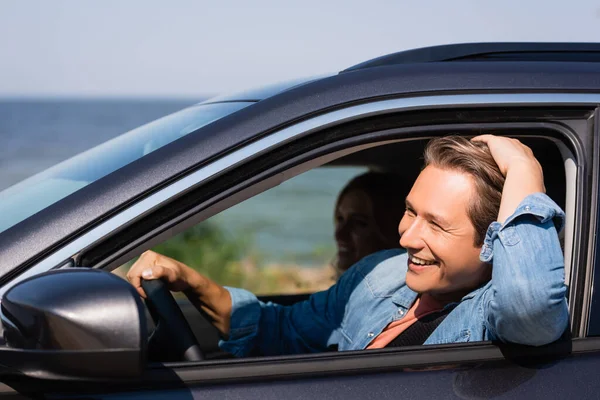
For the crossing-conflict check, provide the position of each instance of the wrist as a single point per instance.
(527, 171)
(521, 181)
(524, 179)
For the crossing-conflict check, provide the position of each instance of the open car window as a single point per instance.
(280, 242)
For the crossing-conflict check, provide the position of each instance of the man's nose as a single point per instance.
(412, 237)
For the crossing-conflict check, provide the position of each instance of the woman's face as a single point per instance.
(439, 236)
(356, 231)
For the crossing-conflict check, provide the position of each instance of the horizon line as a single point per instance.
(79, 97)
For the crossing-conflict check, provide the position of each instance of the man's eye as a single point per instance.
(436, 226)
(409, 212)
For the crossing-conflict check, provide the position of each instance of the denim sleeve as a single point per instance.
(526, 301)
(259, 328)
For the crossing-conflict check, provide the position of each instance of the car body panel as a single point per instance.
(490, 373)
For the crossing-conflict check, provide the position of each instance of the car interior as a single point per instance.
(402, 156)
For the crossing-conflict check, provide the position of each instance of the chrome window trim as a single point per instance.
(287, 134)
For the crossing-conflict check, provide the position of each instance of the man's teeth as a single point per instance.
(418, 261)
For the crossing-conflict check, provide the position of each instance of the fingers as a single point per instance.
(146, 268)
(503, 142)
(508, 152)
(499, 141)
(483, 138)
(148, 273)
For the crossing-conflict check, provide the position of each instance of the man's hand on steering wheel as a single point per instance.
(151, 265)
(213, 300)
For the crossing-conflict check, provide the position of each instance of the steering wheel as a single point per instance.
(173, 339)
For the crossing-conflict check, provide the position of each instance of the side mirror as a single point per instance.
(72, 324)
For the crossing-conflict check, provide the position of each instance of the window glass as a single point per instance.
(46, 188)
(278, 242)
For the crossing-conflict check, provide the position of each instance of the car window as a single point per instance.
(278, 242)
(281, 242)
(40, 191)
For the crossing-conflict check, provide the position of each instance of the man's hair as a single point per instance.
(473, 158)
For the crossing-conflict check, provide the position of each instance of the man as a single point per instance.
(482, 261)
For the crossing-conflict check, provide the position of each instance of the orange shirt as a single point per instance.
(423, 306)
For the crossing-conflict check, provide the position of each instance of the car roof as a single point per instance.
(263, 92)
(29, 240)
(507, 51)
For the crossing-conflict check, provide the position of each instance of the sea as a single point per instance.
(289, 224)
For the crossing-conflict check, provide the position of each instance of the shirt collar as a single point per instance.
(404, 297)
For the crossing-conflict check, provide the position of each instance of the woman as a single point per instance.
(366, 217)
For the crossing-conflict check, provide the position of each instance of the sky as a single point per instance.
(189, 49)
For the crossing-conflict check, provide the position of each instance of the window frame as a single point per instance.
(591, 308)
(271, 177)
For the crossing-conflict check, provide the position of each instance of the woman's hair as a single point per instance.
(387, 192)
(473, 158)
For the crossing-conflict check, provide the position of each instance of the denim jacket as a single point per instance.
(524, 302)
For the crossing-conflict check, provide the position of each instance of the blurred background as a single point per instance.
(74, 74)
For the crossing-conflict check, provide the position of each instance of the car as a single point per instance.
(73, 328)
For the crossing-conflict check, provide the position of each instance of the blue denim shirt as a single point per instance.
(524, 302)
